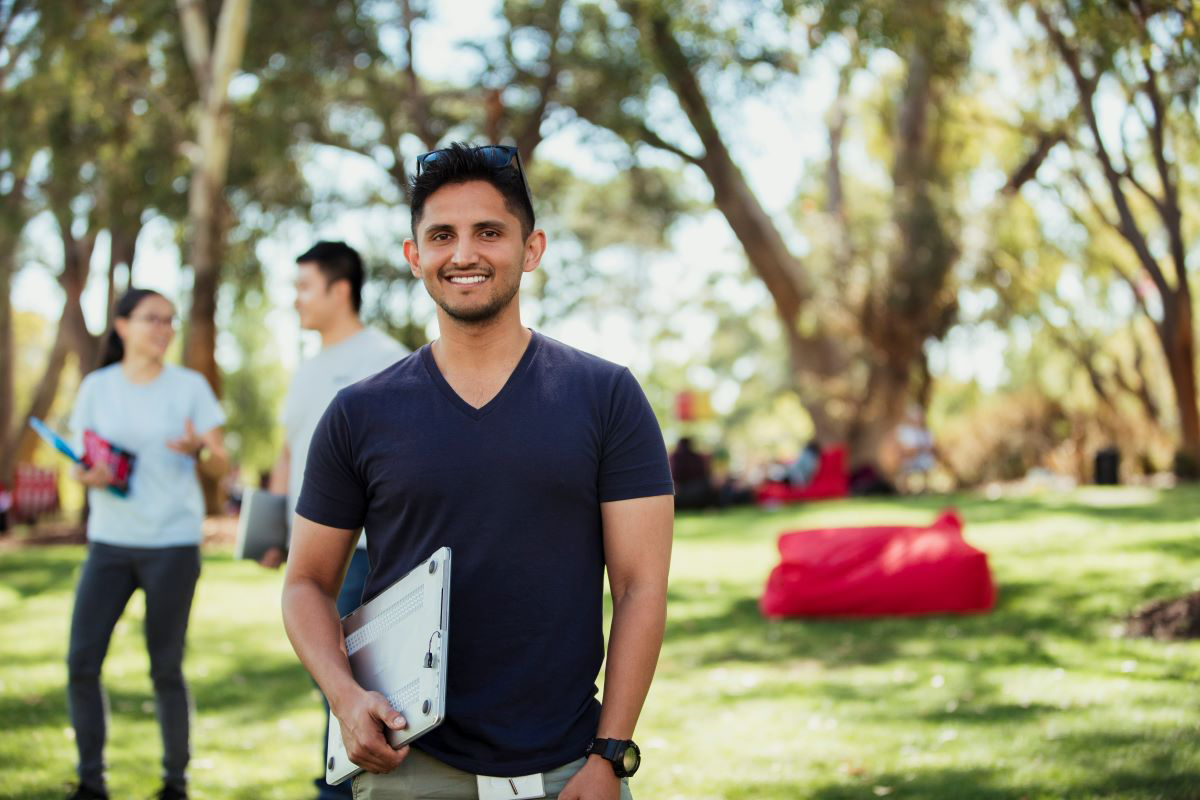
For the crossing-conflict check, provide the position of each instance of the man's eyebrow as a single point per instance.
(445, 227)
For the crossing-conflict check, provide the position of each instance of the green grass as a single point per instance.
(1040, 699)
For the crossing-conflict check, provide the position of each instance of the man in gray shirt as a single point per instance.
(329, 283)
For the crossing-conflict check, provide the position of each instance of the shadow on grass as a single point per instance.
(961, 784)
(235, 695)
(982, 784)
(1014, 632)
(35, 572)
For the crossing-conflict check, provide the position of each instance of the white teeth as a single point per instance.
(468, 279)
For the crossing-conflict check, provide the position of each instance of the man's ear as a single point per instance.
(535, 248)
(413, 257)
(340, 289)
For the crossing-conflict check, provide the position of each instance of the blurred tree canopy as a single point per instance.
(1061, 217)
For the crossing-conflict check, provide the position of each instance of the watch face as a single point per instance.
(631, 759)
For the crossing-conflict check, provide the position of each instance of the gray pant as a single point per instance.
(110, 576)
(422, 777)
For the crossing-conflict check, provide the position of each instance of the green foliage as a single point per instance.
(254, 390)
(1038, 699)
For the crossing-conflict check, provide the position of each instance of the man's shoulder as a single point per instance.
(559, 355)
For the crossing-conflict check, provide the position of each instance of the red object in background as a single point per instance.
(830, 480)
(34, 492)
(879, 571)
(685, 406)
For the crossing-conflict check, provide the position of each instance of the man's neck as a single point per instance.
(480, 347)
(340, 330)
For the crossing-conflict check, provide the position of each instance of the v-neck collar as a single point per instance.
(455, 398)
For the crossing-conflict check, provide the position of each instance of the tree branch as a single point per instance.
(418, 103)
(1169, 209)
(1029, 167)
(1127, 227)
(196, 43)
(651, 138)
(530, 135)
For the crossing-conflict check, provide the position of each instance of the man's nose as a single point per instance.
(464, 252)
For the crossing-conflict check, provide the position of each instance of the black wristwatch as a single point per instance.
(623, 754)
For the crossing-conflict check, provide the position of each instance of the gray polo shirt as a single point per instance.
(315, 383)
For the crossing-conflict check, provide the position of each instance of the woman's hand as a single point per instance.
(95, 477)
(189, 444)
(207, 449)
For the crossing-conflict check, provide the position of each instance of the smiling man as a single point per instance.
(540, 466)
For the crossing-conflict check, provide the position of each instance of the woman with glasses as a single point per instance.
(143, 528)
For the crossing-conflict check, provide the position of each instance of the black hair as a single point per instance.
(460, 163)
(112, 349)
(338, 261)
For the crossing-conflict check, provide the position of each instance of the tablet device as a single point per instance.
(96, 450)
(262, 524)
(397, 645)
(54, 440)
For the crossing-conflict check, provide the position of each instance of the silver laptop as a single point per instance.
(262, 524)
(397, 645)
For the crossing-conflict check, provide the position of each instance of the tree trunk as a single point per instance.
(77, 259)
(22, 441)
(213, 63)
(912, 302)
(1177, 334)
(200, 342)
(72, 336)
(783, 274)
(7, 398)
(121, 249)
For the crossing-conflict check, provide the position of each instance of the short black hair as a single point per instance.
(338, 261)
(460, 163)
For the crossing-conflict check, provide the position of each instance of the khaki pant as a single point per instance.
(422, 777)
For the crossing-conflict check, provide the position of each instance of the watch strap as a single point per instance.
(612, 751)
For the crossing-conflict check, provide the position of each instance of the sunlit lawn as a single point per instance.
(1039, 699)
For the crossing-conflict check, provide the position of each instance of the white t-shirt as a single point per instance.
(315, 383)
(164, 507)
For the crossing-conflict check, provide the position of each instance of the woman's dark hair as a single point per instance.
(113, 349)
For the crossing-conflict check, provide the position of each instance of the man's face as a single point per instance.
(316, 301)
(469, 251)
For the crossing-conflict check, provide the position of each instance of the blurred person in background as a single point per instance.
(329, 281)
(147, 538)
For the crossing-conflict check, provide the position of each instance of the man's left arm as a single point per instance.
(637, 552)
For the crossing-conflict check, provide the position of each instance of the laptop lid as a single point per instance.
(397, 644)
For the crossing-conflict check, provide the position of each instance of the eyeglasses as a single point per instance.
(155, 319)
(497, 156)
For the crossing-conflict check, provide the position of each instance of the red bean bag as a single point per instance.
(830, 480)
(879, 571)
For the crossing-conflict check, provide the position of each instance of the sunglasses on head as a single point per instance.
(497, 156)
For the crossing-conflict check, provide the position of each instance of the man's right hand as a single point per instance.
(363, 720)
(95, 477)
(272, 558)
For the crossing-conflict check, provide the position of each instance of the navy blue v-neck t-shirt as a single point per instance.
(514, 488)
